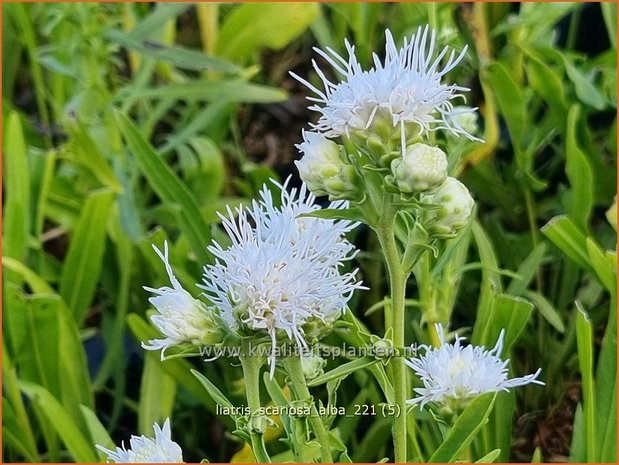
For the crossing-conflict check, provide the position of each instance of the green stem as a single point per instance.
(301, 392)
(251, 372)
(397, 285)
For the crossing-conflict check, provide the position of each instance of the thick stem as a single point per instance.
(397, 285)
(251, 372)
(299, 387)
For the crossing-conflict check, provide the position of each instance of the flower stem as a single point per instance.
(251, 372)
(397, 285)
(301, 392)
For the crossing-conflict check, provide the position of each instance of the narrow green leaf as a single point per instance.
(491, 281)
(38, 284)
(213, 391)
(169, 187)
(609, 11)
(82, 267)
(527, 269)
(253, 26)
(177, 368)
(350, 214)
(98, 433)
(579, 172)
(490, 457)
(569, 238)
(604, 269)
(546, 310)
(606, 389)
(464, 430)
(213, 91)
(584, 339)
(343, 370)
(153, 22)
(86, 153)
(585, 89)
(77, 444)
(181, 57)
(157, 394)
(16, 226)
(510, 99)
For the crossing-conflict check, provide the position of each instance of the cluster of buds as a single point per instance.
(378, 121)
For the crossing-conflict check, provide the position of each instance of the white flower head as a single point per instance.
(321, 167)
(422, 167)
(453, 374)
(161, 449)
(282, 271)
(181, 318)
(405, 89)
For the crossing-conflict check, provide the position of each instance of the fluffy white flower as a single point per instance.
(181, 318)
(281, 274)
(147, 450)
(405, 89)
(421, 168)
(453, 374)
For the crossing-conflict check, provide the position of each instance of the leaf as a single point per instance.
(609, 11)
(343, 370)
(177, 368)
(526, 270)
(178, 56)
(464, 430)
(349, 214)
(16, 226)
(82, 266)
(546, 82)
(37, 284)
(606, 270)
(489, 457)
(579, 172)
(585, 89)
(45, 343)
(491, 280)
(213, 91)
(162, 13)
(510, 99)
(87, 153)
(169, 188)
(77, 444)
(584, 340)
(97, 431)
(157, 394)
(252, 26)
(569, 238)
(213, 391)
(546, 310)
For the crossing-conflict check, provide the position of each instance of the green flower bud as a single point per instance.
(312, 366)
(455, 206)
(466, 118)
(422, 168)
(322, 168)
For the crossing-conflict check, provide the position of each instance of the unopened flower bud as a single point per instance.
(422, 167)
(455, 207)
(322, 169)
(312, 366)
(465, 118)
